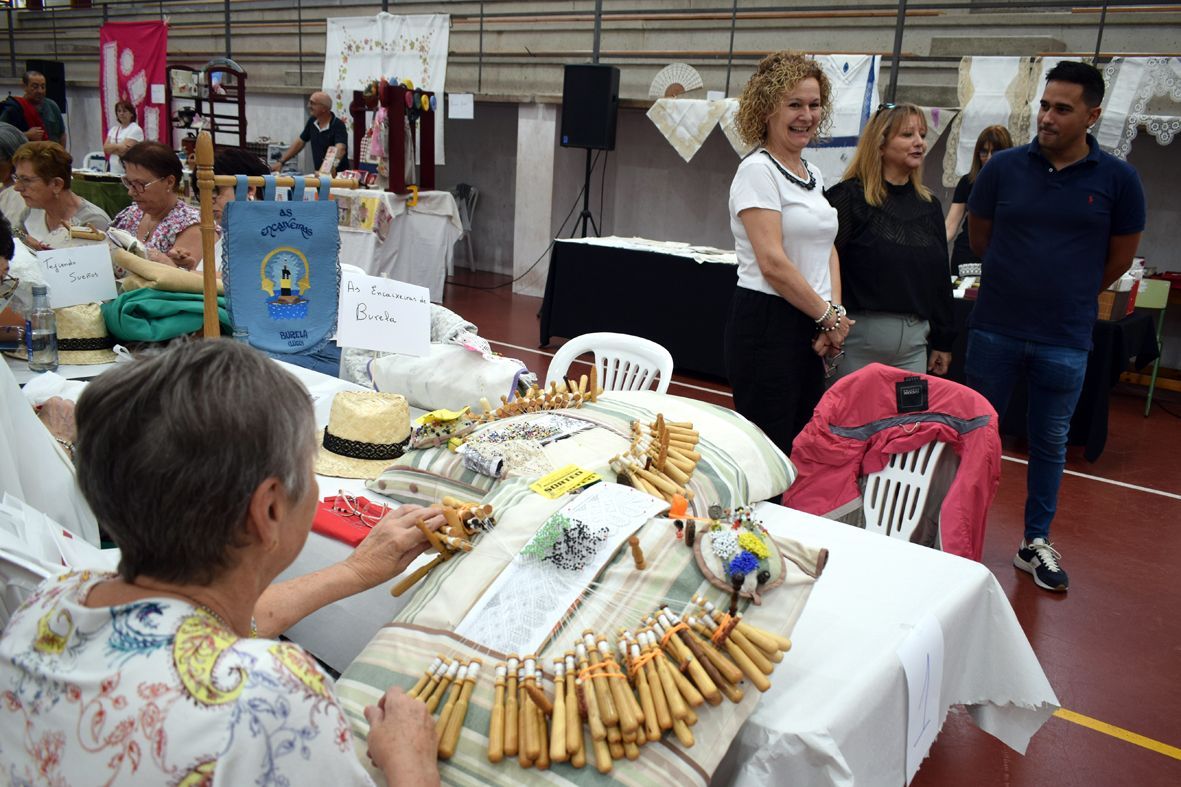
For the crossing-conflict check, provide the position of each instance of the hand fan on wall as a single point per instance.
(673, 80)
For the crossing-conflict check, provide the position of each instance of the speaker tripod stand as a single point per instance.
(585, 217)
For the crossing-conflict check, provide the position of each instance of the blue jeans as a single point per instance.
(1055, 377)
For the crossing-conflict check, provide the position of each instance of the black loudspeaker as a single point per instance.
(590, 103)
(55, 79)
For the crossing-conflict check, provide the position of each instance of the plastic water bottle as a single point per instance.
(41, 332)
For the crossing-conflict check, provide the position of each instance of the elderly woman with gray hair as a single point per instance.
(199, 464)
(12, 204)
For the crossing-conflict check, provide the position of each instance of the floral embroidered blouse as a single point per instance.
(160, 692)
(180, 218)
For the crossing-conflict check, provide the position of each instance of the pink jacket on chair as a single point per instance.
(856, 427)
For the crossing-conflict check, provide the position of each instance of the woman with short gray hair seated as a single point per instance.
(199, 464)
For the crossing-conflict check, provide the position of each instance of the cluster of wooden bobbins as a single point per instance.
(460, 677)
(661, 458)
(602, 708)
(464, 521)
(559, 396)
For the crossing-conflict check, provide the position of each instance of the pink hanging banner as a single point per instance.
(133, 67)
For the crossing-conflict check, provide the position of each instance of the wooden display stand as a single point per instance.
(400, 102)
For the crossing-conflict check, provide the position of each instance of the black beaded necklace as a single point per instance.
(807, 185)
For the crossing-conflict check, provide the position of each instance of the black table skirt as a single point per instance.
(1114, 343)
(674, 301)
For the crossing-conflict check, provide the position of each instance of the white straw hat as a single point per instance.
(82, 336)
(366, 432)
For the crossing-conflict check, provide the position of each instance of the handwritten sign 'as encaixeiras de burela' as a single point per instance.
(383, 314)
(82, 274)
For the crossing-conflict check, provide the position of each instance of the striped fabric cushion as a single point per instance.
(738, 463)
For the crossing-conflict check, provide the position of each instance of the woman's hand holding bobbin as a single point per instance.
(394, 542)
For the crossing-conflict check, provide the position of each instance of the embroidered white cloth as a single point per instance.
(730, 129)
(1140, 91)
(686, 122)
(992, 91)
(362, 49)
(854, 81)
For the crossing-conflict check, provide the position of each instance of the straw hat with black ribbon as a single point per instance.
(366, 432)
(82, 337)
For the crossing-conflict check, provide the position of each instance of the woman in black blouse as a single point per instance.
(893, 249)
(963, 261)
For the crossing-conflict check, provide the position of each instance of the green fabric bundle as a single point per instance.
(148, 315)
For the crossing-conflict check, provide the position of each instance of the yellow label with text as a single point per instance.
(563, 480)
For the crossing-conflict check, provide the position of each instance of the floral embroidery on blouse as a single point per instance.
(180, 218)
(160, 692)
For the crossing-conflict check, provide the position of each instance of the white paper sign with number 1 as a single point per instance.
(384, 315)
(82, 274)
(921, 654)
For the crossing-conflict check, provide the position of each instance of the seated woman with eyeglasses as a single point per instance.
(43, 179)
(893, 249)
(169, 228)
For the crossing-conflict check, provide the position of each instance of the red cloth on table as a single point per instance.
(342, 526)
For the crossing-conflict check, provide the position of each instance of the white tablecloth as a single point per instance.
(836, 711)
(418, 245)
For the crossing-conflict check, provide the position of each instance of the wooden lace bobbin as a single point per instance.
(753, 652)
(511, 709)
(558, 750)
(707, 683)
(449, 705)
(582, 385)
(599, 747)
(436, 697)
(615, 743)
(594, 718)
(607, 709)
(543, 758)
(623, 642)
(671, 471)
(574, 737)
(620, 691)
(719, 668)
(642, 652)
(532, 740)
(652, 731)
(677, 707)
(418, 574)
(450, 738)
(665, 486)
(766, 641)
(631, 750)
(738, 656)
(693, 697)
(426, 677)
(731, 675)
(496, 723)
(426, 691)
(524, 717)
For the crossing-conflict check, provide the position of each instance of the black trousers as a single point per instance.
(776, 377)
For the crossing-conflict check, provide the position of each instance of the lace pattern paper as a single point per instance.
(527, 603)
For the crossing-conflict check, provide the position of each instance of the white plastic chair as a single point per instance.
(625, 363)
(19, 576)
(896, 495)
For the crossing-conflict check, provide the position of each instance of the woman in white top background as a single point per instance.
(786, 323)
(122, 136)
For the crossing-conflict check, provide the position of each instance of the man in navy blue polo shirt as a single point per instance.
(1055, 222)
(324, 130)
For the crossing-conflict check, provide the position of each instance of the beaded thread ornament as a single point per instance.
(736, 553)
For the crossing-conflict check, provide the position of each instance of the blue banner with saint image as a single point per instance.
(280, 269)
